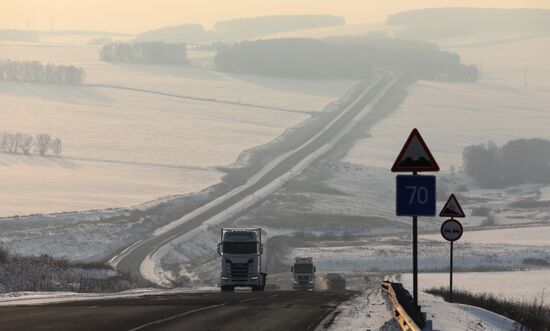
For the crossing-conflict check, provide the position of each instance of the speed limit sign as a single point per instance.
(451, 230)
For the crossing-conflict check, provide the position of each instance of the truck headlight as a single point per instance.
(253, 278)
(311, 282)
(225, 278)
(294, 282)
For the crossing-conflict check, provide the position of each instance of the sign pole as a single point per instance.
(415, 260)
(415, 257)
(451, 230)
(451, 277)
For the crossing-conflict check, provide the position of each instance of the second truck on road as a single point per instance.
(303, 273)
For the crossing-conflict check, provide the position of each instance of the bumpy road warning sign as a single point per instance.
(415, 156)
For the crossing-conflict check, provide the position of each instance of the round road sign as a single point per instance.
(451, 230)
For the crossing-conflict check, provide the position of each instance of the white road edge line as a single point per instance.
(176, 316)
(244, 300)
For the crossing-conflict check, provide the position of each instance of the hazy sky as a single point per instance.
(138, 15)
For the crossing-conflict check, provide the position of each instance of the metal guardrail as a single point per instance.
(401, 316)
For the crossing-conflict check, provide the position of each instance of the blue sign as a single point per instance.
(415, 195)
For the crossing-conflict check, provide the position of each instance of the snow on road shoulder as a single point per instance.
(450, 317)
(368, 310)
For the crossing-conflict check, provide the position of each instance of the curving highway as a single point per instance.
(139, 259)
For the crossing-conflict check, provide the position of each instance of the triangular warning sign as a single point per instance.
(415, 156)
(452, 208)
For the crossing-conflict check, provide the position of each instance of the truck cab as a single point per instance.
(303, 273)
(243, 262)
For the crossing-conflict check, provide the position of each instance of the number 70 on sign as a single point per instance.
(415, 195)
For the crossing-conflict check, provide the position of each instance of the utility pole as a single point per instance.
(480, 69)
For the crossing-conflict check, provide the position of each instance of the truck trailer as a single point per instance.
(243, 262)
(303, 273)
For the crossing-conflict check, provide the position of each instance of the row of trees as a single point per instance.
(342, 58)
(37, 72)
(24, 143)
(145, 52)
(521, 161)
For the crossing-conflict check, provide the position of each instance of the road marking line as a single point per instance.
(244, 300)
(175, 316)
(274, 295)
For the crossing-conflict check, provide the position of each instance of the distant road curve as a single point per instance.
(187, 97)
(141, 258)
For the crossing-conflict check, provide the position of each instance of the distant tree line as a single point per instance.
(37, 72)
(432, 23)
(24, 143)
(341, 58)
(145, 52)
(520, 161)
(240, 28)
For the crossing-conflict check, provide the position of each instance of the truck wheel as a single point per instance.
(228, 289)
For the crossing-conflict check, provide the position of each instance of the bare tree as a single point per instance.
(17, 138)
(42, 143)
(8, 142)
(56, 146)
(4, 142)
(26, 143)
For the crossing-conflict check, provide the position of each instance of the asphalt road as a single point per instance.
(129, 261)
(277, 310)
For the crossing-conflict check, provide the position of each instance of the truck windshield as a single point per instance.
(240, 248)
(303, 268)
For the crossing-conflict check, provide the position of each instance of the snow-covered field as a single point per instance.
(518, 285)
(529, 236)
(122, 147)
(196, 80)
(394, 254)
(451, 116)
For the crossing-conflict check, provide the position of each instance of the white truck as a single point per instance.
(244, 263)
(303, 273)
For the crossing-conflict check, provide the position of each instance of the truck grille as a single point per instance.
(303, 280)
(239, 271)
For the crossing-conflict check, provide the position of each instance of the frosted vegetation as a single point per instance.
(25, 143)
(342, 58)
(522, 161)
(37, 72)
(145, 52)
(45, 273)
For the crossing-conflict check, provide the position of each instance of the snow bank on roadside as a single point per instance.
(41, 298)
(450, 317)
(368, 310)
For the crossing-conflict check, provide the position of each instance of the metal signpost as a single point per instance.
(451, 230)
(415, 195)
